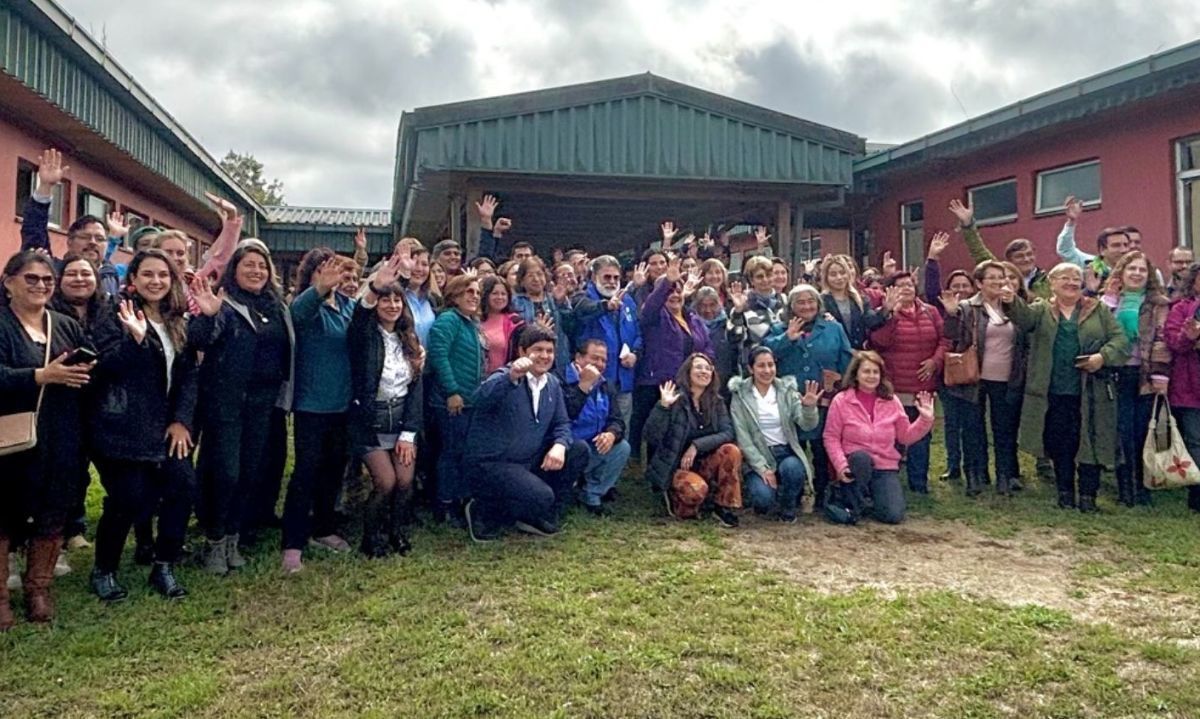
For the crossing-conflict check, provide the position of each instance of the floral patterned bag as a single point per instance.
(1168, 465)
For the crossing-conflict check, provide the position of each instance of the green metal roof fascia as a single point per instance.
(83, 42)
(1051, 99)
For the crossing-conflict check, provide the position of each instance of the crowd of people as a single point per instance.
(503, 391)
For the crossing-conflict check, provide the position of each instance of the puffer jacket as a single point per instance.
(670, 431)
(1184, 388)
(908, 338)
(456, 356)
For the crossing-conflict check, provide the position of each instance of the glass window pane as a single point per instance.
(994, 202)
(1189, 154)
(912, 212)
(1190, 197)
(914, 247)
(1054, 186)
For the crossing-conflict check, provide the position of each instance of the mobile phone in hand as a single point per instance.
(82, 355)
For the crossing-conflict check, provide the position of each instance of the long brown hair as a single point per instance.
(850, 380)
(1153, 286)
(172, 308)
(405, 328)
(710, 397)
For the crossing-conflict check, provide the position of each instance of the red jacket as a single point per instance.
(908, 338)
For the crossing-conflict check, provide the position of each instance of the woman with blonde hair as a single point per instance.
(837, 276)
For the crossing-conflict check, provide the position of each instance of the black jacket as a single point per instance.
(670, 431)
(859, 324)
(131, 407)
(366, 347)
(227, 341)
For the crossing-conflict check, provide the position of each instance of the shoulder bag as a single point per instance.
(18, 432)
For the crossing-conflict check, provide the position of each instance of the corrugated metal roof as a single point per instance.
(49, 52)
(335, 216)
(1154, 75)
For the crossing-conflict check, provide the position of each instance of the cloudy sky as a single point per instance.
(315, 88)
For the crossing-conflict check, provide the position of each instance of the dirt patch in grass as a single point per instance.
(1034, 567)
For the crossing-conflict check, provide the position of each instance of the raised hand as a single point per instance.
(133, 319)
(559, 292)
(949, 301)
(502, 225)
(667, 394)
(639, 274)
(891, 298)
(965, 214)
(519, 368)
(328, 275)
(399, 265)
(761, 238)
(795, 328)
(674, 269)
(50, 171)
(614, 303)
(1007, 294)
(737, 295)
(938, 245)
(226, 209)
(116, 225)
(487, 210)
(209, 303)
(544, 321)
(360, 240)
(888, 264)
(668, 233)
(1091, 281)
(925, 405)
(812, 394)
(58, 372)
(1074, 208)
(692, 282)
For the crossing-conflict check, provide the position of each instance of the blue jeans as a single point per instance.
(956, 415)
(918, 458)
(603, 471)
(452, 484)
(1133, 424)
(789, 475)
(847, 500)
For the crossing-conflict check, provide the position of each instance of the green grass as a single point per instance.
(633, 616)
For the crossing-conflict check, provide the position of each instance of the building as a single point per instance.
(61, 89)
(291, 231)
(603, 163)
(1125, 141)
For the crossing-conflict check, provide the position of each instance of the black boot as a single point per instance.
(162, 578)
(974, 483)
(1003, 486)
(400, 521)
(374, 541)
(1066, 500)
(106, 586)
(1125, 490)
(1087, 504)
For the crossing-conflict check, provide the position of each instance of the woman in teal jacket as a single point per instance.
(456, 358)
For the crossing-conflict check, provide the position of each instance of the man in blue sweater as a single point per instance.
(607, 313)
(596, 421)
(520, 445)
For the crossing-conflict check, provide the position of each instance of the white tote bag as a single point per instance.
(1168, 465)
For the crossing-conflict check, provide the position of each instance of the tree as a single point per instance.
(247, 171)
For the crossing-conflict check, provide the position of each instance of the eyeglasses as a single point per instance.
(32, 279)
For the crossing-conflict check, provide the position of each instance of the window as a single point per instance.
(89, 203)
(1187, 153)
(1081, 180)
(994, 202)
(808, 248)
(27, 181)
(912, 233)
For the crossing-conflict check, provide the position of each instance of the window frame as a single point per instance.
(1184, 178)
(906, 225)
(998, 219)
(58, 198)
(81, 203)
(1039, 211)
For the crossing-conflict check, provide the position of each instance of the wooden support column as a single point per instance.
(783, 232)
(471, 248)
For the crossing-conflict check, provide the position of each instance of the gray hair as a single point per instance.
(604, 261)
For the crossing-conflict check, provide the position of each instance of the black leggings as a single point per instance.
(234, 449)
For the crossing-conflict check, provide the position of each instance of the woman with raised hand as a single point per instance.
(245, 332)
(910, 341)
(1139, 303)
(38, 375)
(842, 300)
(386, 411)
(811, 348)
(769, 415)
(866, 424)
(536, 300)
(694, 461)
(757, 311)
(141, 422)
(421, 294)
(321, 317)
(456, 358)
(714, 274)
(1069, 411)
(1182, 334)
(500, 323)
(980, 321)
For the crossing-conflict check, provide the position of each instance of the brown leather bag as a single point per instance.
(962, 368)
(18, 432)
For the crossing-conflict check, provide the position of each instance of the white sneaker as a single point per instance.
(78, 542)
(61, 568)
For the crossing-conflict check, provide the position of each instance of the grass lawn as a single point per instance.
(984, 608)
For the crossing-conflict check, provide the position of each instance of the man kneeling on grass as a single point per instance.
(523, 459)
(596, 422)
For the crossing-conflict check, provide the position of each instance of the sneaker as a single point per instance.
(331, 542)
(78, 542)
(727, 518)
(540, 528)
(61, 567)
(477, 529)
(291, 563)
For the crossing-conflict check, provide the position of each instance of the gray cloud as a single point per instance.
(317, 97)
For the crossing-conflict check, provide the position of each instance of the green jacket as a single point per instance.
(1098, 332)
(756, 454)
(456, 355)
(1039, 287)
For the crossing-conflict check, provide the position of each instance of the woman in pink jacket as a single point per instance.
(866, 421)
(1183, 336)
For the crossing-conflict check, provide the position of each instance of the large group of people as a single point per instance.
(500, 391)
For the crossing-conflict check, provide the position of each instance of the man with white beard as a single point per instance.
(607, 312)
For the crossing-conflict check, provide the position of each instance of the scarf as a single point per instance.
(716, 324)
(1129, 306)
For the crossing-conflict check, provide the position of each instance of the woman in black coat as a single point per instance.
(36, 483)
(245, 334)
(386, 410)
(141, 422)
(694, 460)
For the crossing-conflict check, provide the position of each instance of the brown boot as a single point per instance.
(6, 615)
(39, 575)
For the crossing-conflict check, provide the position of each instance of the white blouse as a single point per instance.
(397, 371)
